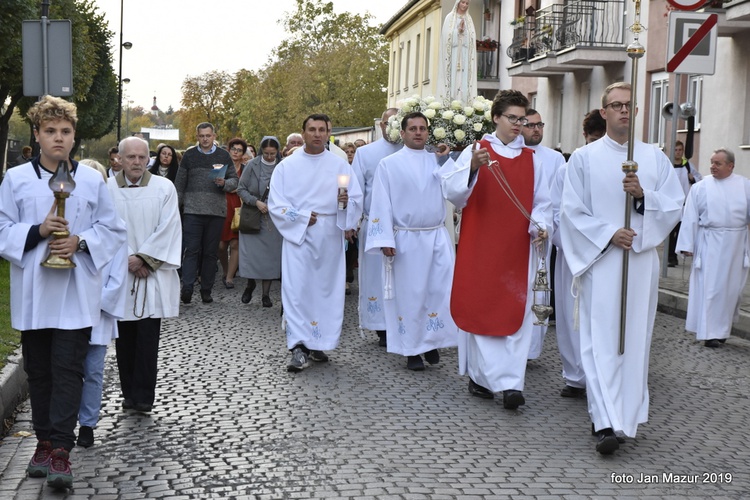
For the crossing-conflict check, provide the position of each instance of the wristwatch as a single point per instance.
(82, 246)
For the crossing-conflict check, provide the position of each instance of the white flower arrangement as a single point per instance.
(453, 123)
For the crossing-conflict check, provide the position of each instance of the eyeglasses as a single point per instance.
(513, 119)
(617, 105)
(539, 125)
(236, 150)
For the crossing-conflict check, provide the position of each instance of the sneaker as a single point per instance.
(40, 461)
(266, 300)
(206, 296)
(59, 474)
(298, 361)
(318, 356)
(85, 436)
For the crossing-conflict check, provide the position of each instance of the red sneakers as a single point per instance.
(40, 461)
(59, 474)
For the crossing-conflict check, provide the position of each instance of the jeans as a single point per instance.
(137, 355)
(53, 360)
(201, 235)
(93, 379)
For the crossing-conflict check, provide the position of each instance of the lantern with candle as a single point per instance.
(61, 184)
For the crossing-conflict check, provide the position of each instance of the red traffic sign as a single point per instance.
(687, 4)
(680, 25)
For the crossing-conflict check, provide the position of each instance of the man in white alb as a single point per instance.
(714, 232)
(594, 239)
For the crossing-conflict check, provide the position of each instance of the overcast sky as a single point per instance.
(176, 38)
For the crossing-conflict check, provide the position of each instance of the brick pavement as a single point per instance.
(230, 422)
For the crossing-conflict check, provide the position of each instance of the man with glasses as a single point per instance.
(495, 268)
(533, 133)
(201, 188)
(592, 233)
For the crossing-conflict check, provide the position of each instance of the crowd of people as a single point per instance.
(320, 211)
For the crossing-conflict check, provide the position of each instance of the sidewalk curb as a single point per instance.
(675, 304)
(13, 385)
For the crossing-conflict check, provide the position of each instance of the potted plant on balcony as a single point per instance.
(518, 21)
(487, 45)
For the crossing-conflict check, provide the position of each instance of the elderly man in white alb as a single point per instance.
(366, 160)
(714, 231)
(591, 224)
(154, 250)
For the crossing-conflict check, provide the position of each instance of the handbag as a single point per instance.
(236, 220)
(250, 216)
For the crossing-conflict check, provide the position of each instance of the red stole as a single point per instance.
(491, 278)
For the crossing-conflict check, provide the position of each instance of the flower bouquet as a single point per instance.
(451, 123)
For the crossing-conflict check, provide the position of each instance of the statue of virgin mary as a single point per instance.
(457, 73)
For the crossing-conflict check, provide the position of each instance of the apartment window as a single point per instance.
(694, 96)
(416, 61)
(400, 58)
(393, 73)
(659, 93)
(408, 65)
(427, 44)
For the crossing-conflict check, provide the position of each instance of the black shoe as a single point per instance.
(318, 356)
(247, 295)
(607, 442)
(383, 339)
(186, 296)
(721, 341)
(672, 264)
(432, 357)
(415, 363)
(206, 296)
(713, 343)
(266, 300)
(127, 404)
(85, 436)
(513, 399)
(573, 392)
(143, 407)
(620, 439)
(479, 391)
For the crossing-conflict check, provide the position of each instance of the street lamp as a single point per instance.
(126, 46)
(127, 117)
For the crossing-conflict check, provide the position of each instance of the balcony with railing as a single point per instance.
(563, 37)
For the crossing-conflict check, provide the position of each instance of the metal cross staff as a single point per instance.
(635, 51)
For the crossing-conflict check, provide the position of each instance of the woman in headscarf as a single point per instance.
(457, 72)
(260, 253)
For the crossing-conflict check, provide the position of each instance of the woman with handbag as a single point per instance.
(260, 243)
(229, 235)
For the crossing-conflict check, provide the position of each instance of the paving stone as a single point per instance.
(230, 422)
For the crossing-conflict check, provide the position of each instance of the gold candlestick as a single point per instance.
(61, 184)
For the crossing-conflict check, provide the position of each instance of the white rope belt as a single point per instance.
(388, 289)
(398, 228)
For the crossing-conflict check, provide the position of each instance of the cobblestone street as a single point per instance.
(230, 422)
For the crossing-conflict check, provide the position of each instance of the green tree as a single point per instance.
(331, 63)
(203, 100)
(94, 83)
